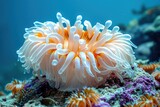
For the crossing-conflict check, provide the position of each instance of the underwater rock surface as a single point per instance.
(113, 93)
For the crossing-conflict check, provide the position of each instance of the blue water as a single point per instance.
(19, 14)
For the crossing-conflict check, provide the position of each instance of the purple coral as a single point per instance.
(125, 98)
(102, 103)
(141, 85)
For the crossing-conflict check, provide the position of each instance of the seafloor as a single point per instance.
(140, 90)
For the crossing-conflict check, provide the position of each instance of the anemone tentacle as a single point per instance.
(72, 57)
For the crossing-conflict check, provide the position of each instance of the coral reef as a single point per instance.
(37, 87)
(145, 32)
(147, 14)
(130, 92)
(154, 28)
(38, 92)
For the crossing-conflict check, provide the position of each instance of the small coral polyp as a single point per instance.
(148, 101)
(15, 86)
(87, 98)
(73, 57)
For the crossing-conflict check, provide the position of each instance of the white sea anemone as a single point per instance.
(73, 57)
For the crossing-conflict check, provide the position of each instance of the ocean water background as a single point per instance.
(16, 15)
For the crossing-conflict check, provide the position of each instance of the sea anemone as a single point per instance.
(147, 101)
(73, 57)
(15, 86)
(87, 98)
(156, 75)
(150, 68)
